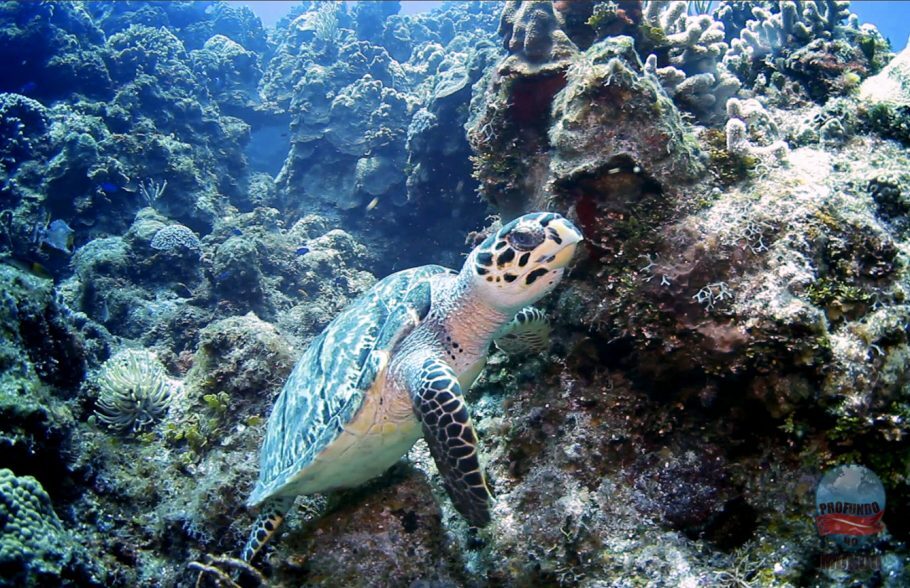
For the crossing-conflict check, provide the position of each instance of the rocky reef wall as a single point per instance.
(187, 199)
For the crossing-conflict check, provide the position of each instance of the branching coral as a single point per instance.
(684, 52)
(788, 25)
(749, 118)
(134, 391)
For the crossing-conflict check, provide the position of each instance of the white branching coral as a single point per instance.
(752, 132)
(134, 391)
(685, 55)
(793, 24)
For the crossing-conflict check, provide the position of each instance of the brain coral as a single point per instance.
(175, 236)
(134, 390)
(32, 546)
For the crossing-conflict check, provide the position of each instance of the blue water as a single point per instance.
(892, 18)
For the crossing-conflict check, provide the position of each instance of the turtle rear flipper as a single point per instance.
(270, 517)
(447, 428)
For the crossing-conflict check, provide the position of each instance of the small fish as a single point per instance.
(59, 235)
(104, 313)
(302, 250)
(236, 232)
(109, 187)
(223, 275)
(32, 267)
(183, 290)
(28, 87)
(373, 203)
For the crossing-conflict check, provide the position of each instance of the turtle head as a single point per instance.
(523, 260)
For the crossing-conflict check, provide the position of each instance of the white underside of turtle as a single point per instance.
(382, 431)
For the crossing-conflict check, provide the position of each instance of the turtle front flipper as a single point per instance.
(447, 428)
(526, 334)
(270, 517)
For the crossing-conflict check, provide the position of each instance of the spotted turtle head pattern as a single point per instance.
(523, 260)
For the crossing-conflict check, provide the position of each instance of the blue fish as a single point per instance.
(28, 87)
(302, 250)
(109, 187)
(236, 231)
(223, 275)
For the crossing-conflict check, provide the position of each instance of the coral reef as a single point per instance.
(886, 98)
(361, 118)
(204, 195)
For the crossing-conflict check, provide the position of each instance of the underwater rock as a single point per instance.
(640, 136)
(370, 17)
(231, 71)
(23, 127)
(328, 277)
(885, 98)
(647, 147)
(533, 35)
(436, 134)
(238, 276)
(391, 529)
(43, 329)
(242, 356)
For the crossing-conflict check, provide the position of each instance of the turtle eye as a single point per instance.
(526, 238)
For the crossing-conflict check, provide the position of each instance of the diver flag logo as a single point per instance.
(849, 506)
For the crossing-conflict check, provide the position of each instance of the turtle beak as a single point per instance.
(568, 236)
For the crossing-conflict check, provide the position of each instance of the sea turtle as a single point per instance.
(393, 365)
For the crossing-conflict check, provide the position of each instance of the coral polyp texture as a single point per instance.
(188, 198)
(35, 549)
(133, 391)
(175, 237)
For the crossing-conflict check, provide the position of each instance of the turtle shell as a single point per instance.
(329, 382)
